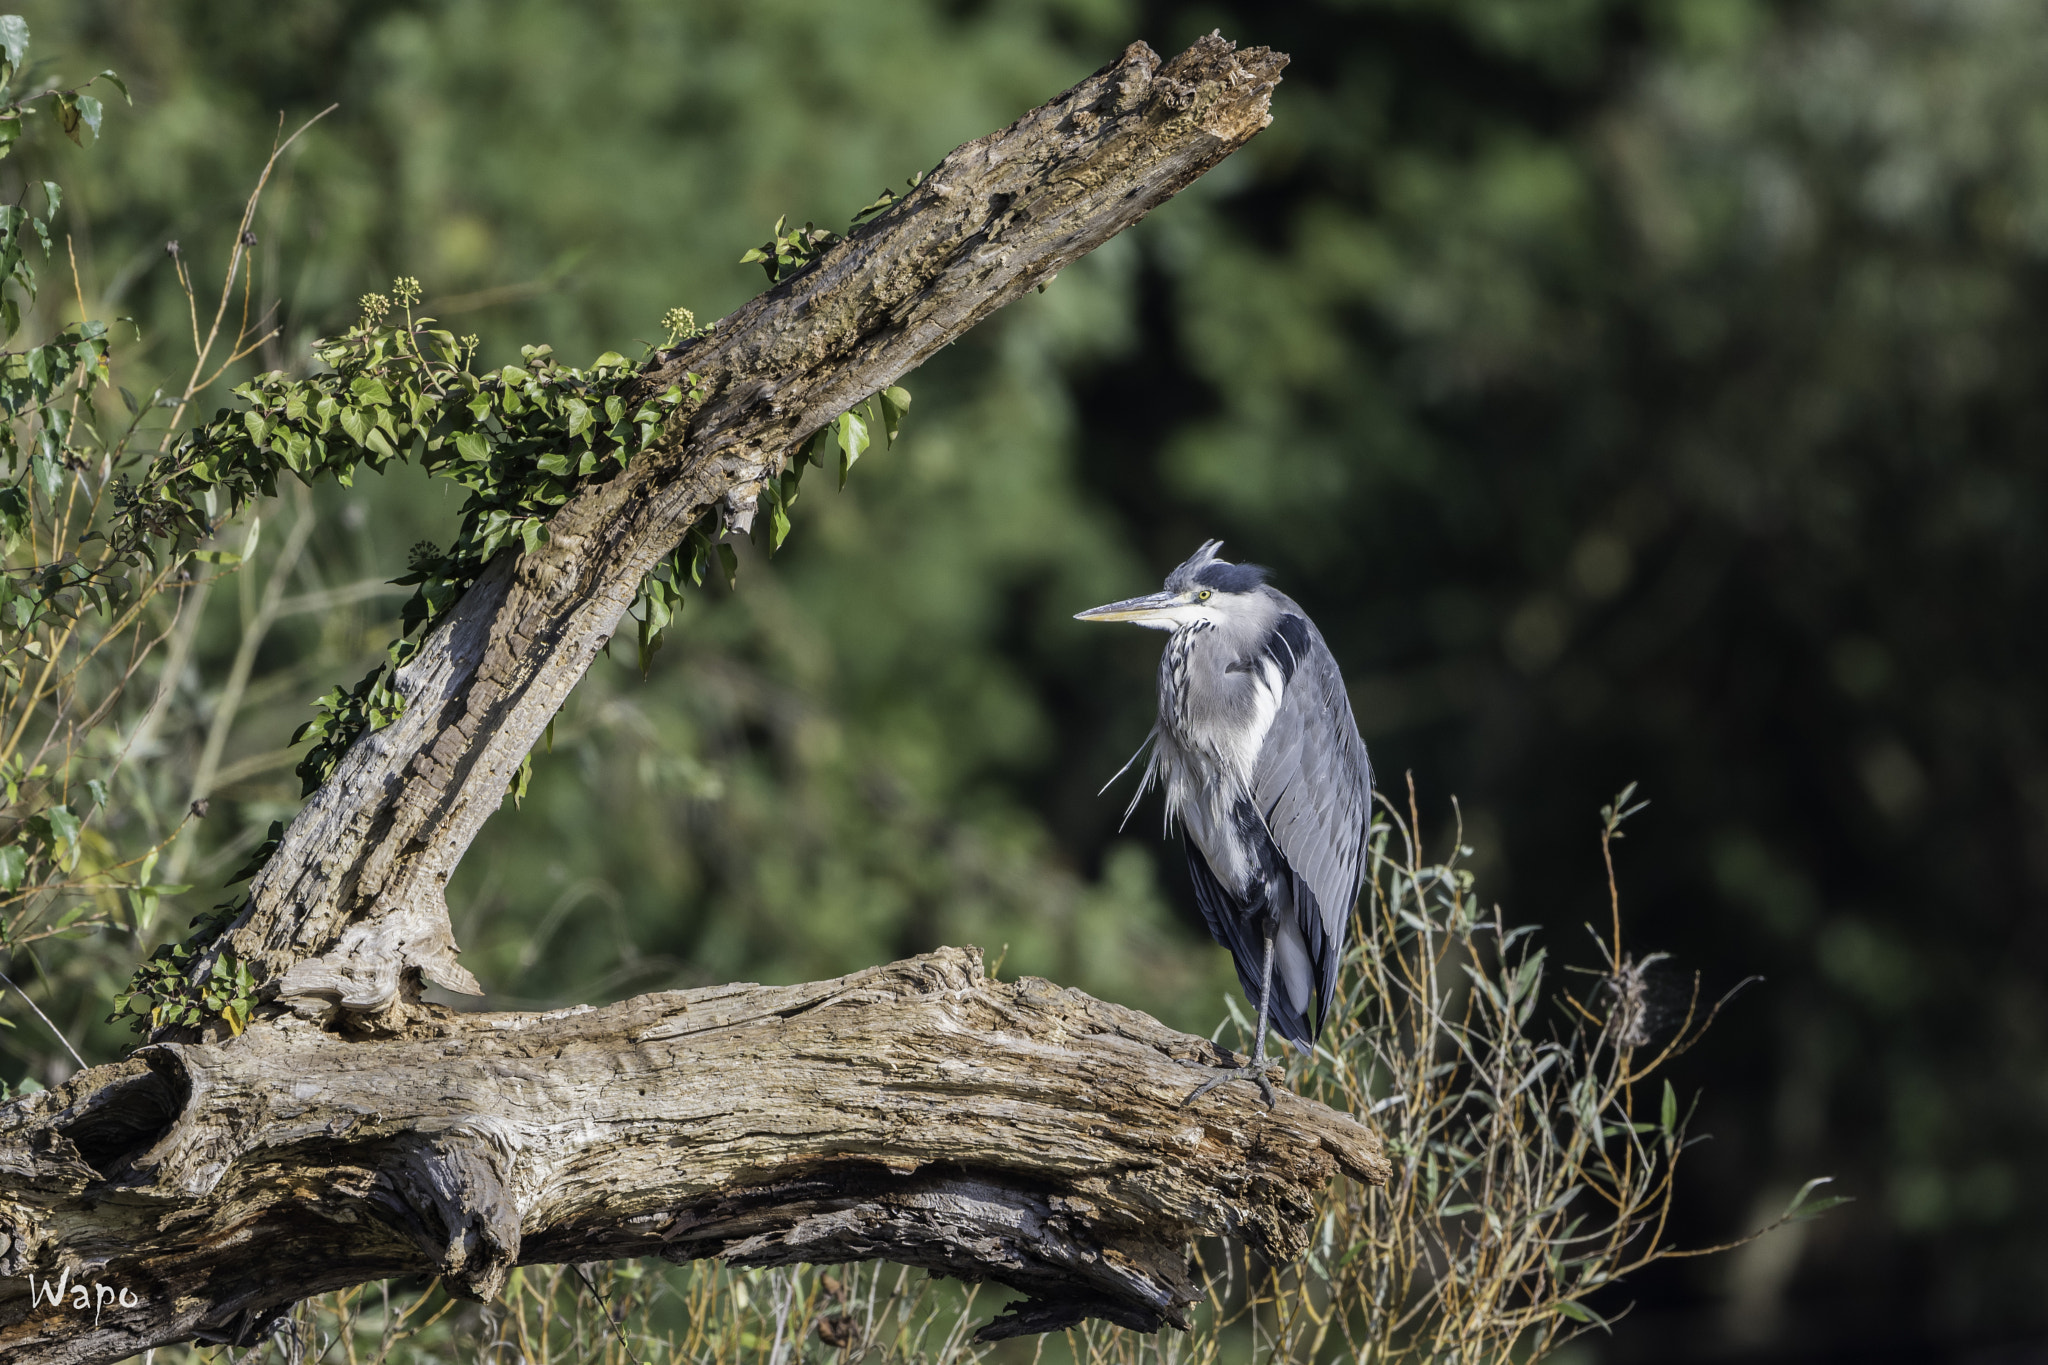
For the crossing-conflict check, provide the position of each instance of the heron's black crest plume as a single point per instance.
(1204, 570)
(1231, 577)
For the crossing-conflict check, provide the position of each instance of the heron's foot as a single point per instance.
(1255, 1071)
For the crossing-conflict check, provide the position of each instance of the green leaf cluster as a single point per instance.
(28, 379)
(341, 717)
(75, 359)
(14, 265)
(789, 249)
(884, 201)
(51, 595)
(162, 993)
(74, 109)
(521, 438)
(63, 606)
(45, 843)
(850, 434)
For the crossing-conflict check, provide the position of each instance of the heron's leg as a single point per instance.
(1265, 1010)
(1257, 1070)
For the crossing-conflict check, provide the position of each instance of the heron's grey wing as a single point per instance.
(1313, 784)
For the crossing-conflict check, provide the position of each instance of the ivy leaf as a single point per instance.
(853, 439)
(355, 424)
(895, 403)
(660, 600)
(579, 416)
(517, 787)
(882, 201)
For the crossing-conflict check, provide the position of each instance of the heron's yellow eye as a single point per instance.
(1202, 596)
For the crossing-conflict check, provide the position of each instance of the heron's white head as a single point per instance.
(1205, 589)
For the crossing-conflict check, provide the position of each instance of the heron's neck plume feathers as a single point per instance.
(1146, 779)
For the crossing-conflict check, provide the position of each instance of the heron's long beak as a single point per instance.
(1132, 608)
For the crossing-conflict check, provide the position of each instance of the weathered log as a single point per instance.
(350, 911)
(919, 1113)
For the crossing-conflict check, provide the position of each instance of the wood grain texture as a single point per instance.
(918, 1112)
(350, 913)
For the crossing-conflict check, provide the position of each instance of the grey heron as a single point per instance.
(1264, 771)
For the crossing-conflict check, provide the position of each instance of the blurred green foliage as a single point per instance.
(1629, 389)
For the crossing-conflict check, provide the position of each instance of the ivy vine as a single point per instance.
(522, 438)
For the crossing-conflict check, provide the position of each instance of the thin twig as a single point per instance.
(202, 350)
(46, 1020)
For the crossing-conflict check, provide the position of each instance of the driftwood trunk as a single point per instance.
(918, 1113)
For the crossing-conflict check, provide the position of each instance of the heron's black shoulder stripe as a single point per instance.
(1288, 645)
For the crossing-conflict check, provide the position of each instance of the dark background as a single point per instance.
(1631, 391)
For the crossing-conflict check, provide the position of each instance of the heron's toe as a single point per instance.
(1256, 1073)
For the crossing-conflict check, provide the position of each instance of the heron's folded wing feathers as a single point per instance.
(1314, 787)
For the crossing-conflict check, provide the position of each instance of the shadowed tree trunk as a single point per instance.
(918, 1113)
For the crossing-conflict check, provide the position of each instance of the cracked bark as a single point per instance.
(918, 1113)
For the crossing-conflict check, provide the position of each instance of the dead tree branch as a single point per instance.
(918, 1113)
